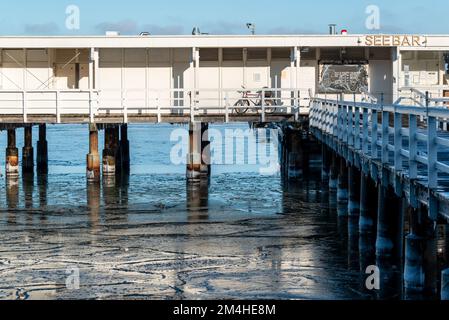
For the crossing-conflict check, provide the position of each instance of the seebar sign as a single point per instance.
(395, 41)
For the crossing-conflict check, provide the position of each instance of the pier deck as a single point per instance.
(400, 145)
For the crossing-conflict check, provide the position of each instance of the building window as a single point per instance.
(233, 54)
(257, 54)
(209, 54)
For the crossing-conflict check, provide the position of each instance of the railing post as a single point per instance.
(432, 148)
(339, 121)
(192, 108)
(24, 106)
(351, 127)
(432, 151)
(345, 124)
(125, 107)
(397, 141)
(385, 134)
(374, 131)
(262, 101)
(357, 128)
(413, 147)
(158, 106)
(91, 114)
(58, 111)
(365, 131)
(227, 107)
(336, 119)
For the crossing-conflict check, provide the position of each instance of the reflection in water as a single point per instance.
(239, 236)
(42, 183)
(28, 188)
(353, 243)
(198, 200)
(390, 282)
(93, 190)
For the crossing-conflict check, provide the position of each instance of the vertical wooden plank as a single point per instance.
(385, 136)
(413, 147)
(365, 142)
(339, 122)
(335, 119)
(345, 123)
(350, 127)
(432, 152)
(357, 128)
(397, 141)
(374, 130)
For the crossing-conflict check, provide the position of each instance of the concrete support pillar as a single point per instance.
(368, 205)
(342, 190)
(124, 149)
(117, 149)
(420, 272)
(354, 192)
(12, 155)
(109, 153)
(326, 162)
(194, 156)
(205, 151)
(28, 151)
(389, 227)
(42, 150)
(445, 285)
(295, 156)
(353, 221)
(333, 178)
(93, 158)
(367, 222)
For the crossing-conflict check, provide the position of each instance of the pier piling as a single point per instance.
(124, 149)
(116, 146)
(28, 151)
(368, 205)
(205, 151)
(354, 192)
(389, 226)
(342, 189)
(445, 285)
(194, 160)
(12, 155)
(93, 158)
(109, 153)
(42, 150)
(420, 275)
(326, 162)
(295, 155)
(333, 178)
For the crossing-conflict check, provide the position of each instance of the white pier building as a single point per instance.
(178, 78)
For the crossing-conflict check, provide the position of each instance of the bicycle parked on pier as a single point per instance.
(249, 99)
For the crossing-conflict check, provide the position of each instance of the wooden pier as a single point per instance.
(401, 158)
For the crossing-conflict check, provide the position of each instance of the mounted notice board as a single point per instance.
(343, 78)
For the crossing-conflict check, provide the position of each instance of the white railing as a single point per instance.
(125, 103)
(357, 125)
(48, 102)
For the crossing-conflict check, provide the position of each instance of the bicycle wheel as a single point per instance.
(242, 106)
(270, 106)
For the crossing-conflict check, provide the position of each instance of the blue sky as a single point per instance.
(35, 17)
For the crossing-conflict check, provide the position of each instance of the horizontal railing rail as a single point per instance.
(380, 132)
(156, 102)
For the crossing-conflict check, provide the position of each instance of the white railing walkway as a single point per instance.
(390, 134)
(159, 103)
